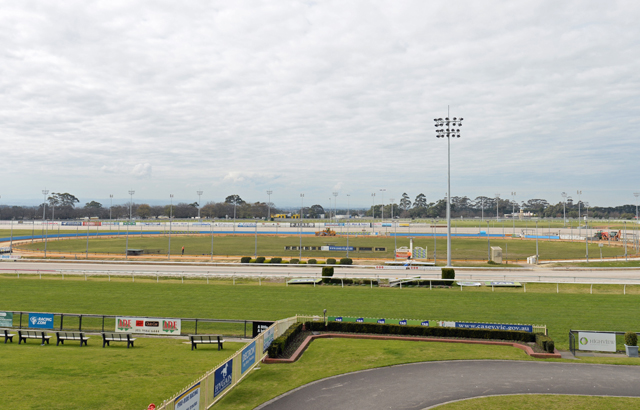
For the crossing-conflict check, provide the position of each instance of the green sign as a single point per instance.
(6, 319)
(403, 322)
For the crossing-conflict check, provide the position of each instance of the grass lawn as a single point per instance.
(573, 308)
(90, 377)
(329, 357)
(540, 401)
(241, 245)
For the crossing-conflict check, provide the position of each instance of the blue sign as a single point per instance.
(381, 321)
(72, 223)
(223, 378)
(248, 357)
(268, 339)
(425, 323)
(341, 248)
(360, 320)
(41, 320)
(339, 319)
(189, 400)
(403, 322)
(495, 326)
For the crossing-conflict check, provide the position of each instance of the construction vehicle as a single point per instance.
(606, 236)
(326, 232)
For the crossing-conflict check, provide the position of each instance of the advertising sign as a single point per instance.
(602, 342)
(259, 327)
(92, 223)
(341, 248)
(72, 223)
(268, 339)
(302, 224)
(248, 357)
(189, 400)
(494, 326)
(41, 320)
(148, 325)
(402, 322)
(6, 319)
(223, 378)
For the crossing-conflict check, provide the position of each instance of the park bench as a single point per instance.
(62, 336)
(205, 339)
(33, 334)
(117, 337)
(7, 336)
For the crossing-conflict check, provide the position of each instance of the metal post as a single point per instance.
(87, 252)
(110, 205)
(269, 192)
(199, 205)
(348, 222)
(300, 226)
(537, 254)
(170, 223)
(131, 192)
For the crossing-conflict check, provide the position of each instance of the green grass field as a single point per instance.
(538, 401)
(241, 245)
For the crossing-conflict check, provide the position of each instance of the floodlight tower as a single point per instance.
(199, 205)
(131, 192)
(448, 133)
(497, 207)
(564, 208)
(513, 211)
(382, 200)
(269, 192)
(637, 194)
(579, 193)
(335, 210)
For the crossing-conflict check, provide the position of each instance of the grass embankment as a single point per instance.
(241, 245)
(90, 377)
(540, 401)
(573, 308)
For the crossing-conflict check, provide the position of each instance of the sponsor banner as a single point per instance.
(248, 357)
(223, 378)
(469, 283)
(494, 326)
(92, 223)
(505, 284)
(358, 224)
(443, 323)
(402, 322)
(189, 400)
(247, 225)
(110, 223)
(148, 325)
(224, 224)
(150, 223)
(404, 225)
(602, 342)
(386, 225)
(268, 339)
(72, 223)
(10, 257)
(41, 320)
(341, 248)
(302, 224)
(180, 223)
(128, 223)
(6, 319)
(304, 281)
(259, 327)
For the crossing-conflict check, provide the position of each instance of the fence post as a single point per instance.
(557, 288)
(525, 287)
(591, 290)
(342, 281)
(625, 289)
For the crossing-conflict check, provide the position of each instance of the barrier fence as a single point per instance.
(208, 389)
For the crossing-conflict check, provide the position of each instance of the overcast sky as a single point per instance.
(242, 97)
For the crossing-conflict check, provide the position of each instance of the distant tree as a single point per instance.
(405, 202)
(420, 201)
(315, 211)
(143, 211)
(234, 199)
(93, 205)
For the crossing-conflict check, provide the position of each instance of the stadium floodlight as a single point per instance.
(446, 128)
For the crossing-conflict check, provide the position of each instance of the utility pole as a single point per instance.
(269, 192)
(131, 192)
(199, 204)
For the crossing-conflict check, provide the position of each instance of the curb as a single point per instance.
(296, 355)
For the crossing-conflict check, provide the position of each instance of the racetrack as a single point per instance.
(423, 385)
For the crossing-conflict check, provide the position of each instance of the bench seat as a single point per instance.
(33, 334)
(117, 337)
(206, 339)
(62, 336)
(7, 336)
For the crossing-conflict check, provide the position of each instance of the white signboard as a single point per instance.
(602, 342)
(148, 325)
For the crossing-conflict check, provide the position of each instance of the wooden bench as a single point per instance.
(62, 336)
(117, 337)
(205, 339)
(33, 334)
(7, 336)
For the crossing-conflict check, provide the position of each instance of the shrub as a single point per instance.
(327, 273)
(279, 345)
(285, 261)
(545, 342)
(492, 263)
(245, 259)
(312, 261)
(551, 346)
(346, 261)
(260, 259)
(275, 260)
(294, 261)
(448, 273)
(331, 261)
(302, 263)
(631, 339)
(375, 328)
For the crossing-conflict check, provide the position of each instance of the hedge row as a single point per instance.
(374, 328)
(545, 342)
(279, 345)
(295, 261)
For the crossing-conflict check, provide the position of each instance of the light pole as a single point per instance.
(448, 133)
(537, 254)
(335, 209)
(497, 207)
(637, 194)
(110, 205)
(564, 209)
(391, 200)
(269, 192)
(513, 211)
(579, 193)
(482, 209)
(348, 221)
(373, 212)
(382, 201)
(300, 227)
(235, 204)
(586, 236)
(199, 205)
(131, 192)
(45, 192)
(170, 221)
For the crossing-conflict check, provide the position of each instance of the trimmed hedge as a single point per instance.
(279, 345)
(245, 259)
(545, 342)
(631, 339)
(346, 261)
(312, 261)
(331, 261)
(260, 259)
(448, 273)
(294, 261)
(327, 271)
(275, 260)
(375, 328)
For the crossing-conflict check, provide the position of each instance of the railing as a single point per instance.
(217, 382)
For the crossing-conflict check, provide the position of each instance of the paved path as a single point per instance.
(422, 385)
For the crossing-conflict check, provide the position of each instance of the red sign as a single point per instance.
(151, 407)
(140, 323)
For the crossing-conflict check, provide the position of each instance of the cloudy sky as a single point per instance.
(242, 97)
